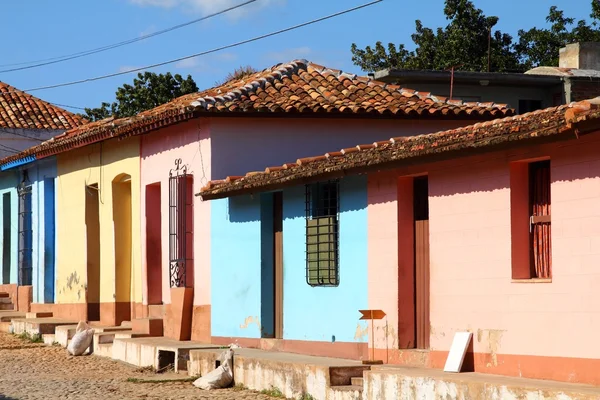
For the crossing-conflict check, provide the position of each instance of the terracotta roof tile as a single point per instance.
(20, 110)
(296, 87)
(411, 149)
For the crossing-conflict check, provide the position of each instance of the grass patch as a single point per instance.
(56, 344)
(306, 396)
(148, 369)
(36, 338)
(239, 387)
(273, 392)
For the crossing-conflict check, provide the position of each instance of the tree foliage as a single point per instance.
(464, 42)
(149, 90)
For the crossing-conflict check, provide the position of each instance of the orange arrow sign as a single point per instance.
(372, 314)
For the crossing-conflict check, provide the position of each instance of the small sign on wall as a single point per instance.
(458, 350)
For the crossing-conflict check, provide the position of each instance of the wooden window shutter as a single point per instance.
(540, 219)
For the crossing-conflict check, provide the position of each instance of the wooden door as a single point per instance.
(278, 262)
(421, 213)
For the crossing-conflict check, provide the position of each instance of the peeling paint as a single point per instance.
(249, 321)
(493, 337)
(73, 278)
(361, 332)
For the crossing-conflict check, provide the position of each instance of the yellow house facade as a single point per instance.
(98, 269)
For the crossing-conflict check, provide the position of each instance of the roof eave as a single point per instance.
(503, 142)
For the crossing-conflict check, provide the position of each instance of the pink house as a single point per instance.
(275, 115)
(491, 228)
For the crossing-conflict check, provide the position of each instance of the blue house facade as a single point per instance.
(292, 265)
(28, 226)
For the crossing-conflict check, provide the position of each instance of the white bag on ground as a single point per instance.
(221, 377)
(82, 339)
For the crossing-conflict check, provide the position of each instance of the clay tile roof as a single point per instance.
(572, 120)
(20, 110)
(296, 87)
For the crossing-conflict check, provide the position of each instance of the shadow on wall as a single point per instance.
(489, 172)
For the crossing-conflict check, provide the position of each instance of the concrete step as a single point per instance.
(5, 326)
(6, 307)
(157, 311)
(49, 339)
(356, 381)
(5, 300)
(38, 315)
(126, 324)
(347, 392)
(148, 326)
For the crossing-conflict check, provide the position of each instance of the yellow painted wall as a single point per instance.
(97, 164)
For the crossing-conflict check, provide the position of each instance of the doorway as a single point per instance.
(49, 240)
(6, 237)
(92, 230)
(153, 244)
(272, 265)
(121, 202)
(421, 252)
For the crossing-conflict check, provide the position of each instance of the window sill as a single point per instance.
(532, 280)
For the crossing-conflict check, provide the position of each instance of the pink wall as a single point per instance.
(470, 241)
(190, 142)
(251, 144)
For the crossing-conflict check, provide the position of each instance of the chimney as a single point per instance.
(584, 55)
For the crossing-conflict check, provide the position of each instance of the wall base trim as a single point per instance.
(562, 369)
(347, 350)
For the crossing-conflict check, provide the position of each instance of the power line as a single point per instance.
(22, 135)
(67, 106)
(254, 39)
(54, 60)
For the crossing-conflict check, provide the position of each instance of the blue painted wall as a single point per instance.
(241, 268)
(42, 175)
(8, 186)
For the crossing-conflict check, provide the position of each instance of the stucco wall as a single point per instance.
(97, 164)
(241, 145)
(470, 255)
(8, 185)
(21, 139)
(310, 313)
(191, 143)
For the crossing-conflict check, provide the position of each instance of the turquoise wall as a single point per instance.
(241, 269)
(8, 186)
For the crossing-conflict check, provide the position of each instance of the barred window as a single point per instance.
(322, 234)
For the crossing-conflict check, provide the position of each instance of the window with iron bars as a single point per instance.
(180, 226)
(322, 234)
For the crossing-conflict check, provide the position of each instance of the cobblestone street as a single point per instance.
(34, 371)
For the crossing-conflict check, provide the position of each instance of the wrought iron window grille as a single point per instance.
(322, 233)
(180, 229)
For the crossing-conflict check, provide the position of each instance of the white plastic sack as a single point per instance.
(11, 328)
(81, 340)
(221, 377)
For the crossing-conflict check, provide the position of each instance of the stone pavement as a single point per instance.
(33, 371)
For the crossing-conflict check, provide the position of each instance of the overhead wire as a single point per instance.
(22, 135)
(214, 50)
(55, 60)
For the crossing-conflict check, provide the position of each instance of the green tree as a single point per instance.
(463, 43)
(540, 46)
(149, 90)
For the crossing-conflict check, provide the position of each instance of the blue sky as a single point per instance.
(34, 30)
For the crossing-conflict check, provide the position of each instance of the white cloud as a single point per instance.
(286, 55)
(206, 7)
(188, 63)
(207, 64)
